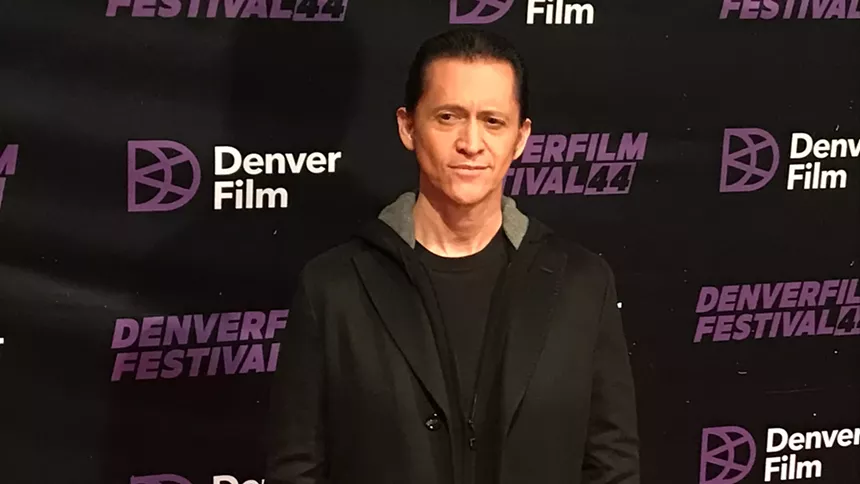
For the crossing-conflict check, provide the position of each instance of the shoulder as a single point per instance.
(332, 264)
(330, 275)
(581, 263)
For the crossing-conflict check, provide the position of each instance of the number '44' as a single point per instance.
(333, 8)
(620, 182)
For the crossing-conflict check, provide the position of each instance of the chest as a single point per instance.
(374, 353)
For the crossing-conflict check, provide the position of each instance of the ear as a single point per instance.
(523, 134)
(406, 128)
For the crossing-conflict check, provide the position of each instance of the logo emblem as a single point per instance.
(720, 450)
(748, 175)
(485, 12)
(137, 176)
(160, 479)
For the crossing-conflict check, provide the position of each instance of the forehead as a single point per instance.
(470, 83)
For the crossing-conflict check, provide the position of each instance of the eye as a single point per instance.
(446, 116)
(495, 122)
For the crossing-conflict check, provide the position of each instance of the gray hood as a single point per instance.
(398, 216)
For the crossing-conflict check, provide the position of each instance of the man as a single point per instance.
(455, 339)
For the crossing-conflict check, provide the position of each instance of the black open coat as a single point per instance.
(364, 392)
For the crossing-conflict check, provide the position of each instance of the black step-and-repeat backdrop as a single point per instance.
(167, 166)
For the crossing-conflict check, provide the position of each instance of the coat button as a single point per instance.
(433, 423)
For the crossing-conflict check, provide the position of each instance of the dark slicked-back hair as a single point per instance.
(466, 43)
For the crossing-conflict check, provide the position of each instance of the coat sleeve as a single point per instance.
(612, 447)
(296, 427)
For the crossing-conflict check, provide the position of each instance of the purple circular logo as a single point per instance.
(160, 479)
(728, 455)
(165, 184)
(484, 11)
(744, 170)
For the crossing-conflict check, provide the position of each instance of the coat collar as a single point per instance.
(398, 216)
(532, 284)
(402, 312)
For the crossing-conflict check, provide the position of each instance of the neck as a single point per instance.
(452, 230)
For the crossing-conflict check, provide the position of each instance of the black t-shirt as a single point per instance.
(463, 288)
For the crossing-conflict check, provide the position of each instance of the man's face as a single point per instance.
(465, 130)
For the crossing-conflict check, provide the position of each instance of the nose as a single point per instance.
(469, 143)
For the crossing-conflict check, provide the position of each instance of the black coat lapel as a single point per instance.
(531, 303)
(400, 307)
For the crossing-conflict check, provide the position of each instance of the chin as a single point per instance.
(467, 195)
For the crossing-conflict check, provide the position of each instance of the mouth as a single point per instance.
(469, 167)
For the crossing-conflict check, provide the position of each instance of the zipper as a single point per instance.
(470, 455)
(471, 422)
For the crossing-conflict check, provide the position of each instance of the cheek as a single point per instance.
(432, 151)
(503, 148)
